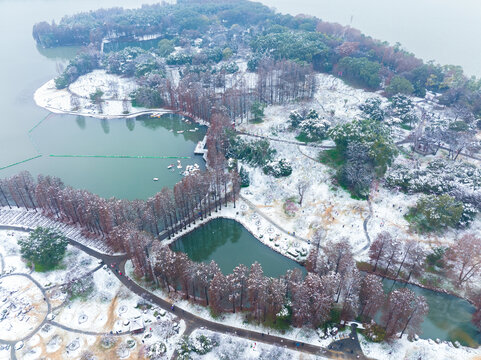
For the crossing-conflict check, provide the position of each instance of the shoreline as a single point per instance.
(239, 215)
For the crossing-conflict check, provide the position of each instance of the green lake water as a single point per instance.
(449, 317)
(229, 244)
(24, 68)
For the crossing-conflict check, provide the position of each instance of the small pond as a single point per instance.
(449, 317)
(229, 244)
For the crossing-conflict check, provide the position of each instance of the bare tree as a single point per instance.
(302, 187)
(464, 259)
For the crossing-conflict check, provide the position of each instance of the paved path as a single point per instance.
(284, 140)
(86, 332)
(364, 225)
(29, 219)
(34, 331)
(349, 345)
(193, 321)
(272, 222)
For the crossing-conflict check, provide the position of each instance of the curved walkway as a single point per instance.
(86, 332)
(193, 321)
(12, 343)
(272, 222)
(284, 140)
(364, 225)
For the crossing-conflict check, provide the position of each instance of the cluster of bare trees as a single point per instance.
(199, 94)
(363, 296)
(310, 299)
(461, 262)
(170, 210)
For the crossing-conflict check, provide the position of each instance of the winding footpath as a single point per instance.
(364, 225)
(292, 142)
(253, 207)
(12, 343)
(193, 321)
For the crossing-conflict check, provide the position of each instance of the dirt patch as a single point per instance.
(112, 316)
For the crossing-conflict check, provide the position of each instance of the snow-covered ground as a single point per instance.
(230, 347)
(110, 308)
(115, 89)
(403, 349)
(325, 206)
(22, 307)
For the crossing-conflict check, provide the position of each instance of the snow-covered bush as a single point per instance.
(80, 287)
(371, 109)
(458, 179)
(107, 341)
(256, 153)
(401, 110)
(230, 68)
(435, 213)
(314, 129)
(179, 59)
(200, 345)
(156, 350)
(279, 168)
(295, 118)
(374, 332)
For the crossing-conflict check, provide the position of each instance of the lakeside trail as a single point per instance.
(192, 321)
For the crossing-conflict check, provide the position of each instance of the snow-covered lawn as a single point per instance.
(22, 307)
(230, 347)
(325, 206)
(115, 89)
(403, 349)
(109, 308)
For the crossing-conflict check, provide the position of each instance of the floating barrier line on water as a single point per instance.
(123, 156)
(45, 118)
(32, 158)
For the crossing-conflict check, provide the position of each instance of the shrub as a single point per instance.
(374, 332)
(399, 85)
(256, 153)
(279, 168)
(435, 213)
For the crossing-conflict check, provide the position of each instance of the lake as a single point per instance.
(449, 317)
(229, 244)
(24, 68)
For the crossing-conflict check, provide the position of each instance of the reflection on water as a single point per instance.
(130, 123)
(449, 317)
(73, 136)
(229, 244)
(59, 53)
(104, 123)
(80, 120)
